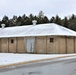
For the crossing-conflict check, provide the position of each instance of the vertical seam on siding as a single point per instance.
(8, 45)
(74, 44)
(16, 45)
(35, 45)
(25, 44)
(46, 44)
(66, 45)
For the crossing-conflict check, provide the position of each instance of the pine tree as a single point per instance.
(58, 20)
(5, 20)
(41, 14)
(66, 24)
(52, 20)
(45, 19)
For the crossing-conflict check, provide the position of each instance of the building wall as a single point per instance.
(18, 45)
(51, 44)
(40, 45)
(43, 45)
(57, 40)
(4, 45)
(12, 45)
(70, 44)
(62, 44)
(21, 45)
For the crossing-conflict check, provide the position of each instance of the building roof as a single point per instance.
(36, 30)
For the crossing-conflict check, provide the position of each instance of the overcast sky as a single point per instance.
(49, 7)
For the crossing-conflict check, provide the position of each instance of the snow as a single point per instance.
(36, 30)
(11, 58)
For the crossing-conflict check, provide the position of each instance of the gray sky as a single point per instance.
(49, 7)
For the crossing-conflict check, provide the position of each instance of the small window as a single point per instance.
(51, 39)
(12, 41)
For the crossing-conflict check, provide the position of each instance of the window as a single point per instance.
(51, 39)
(12, 41)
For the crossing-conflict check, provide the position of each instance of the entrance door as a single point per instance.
(30, 44)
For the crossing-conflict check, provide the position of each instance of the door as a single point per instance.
(30, 42)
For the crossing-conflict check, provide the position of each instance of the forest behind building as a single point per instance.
(41, 19)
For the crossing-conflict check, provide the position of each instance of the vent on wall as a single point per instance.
(51, 40)
(12, 41)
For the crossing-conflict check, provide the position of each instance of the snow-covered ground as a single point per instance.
(40, 64)
(11, 58)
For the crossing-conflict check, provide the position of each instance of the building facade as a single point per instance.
(38, 39)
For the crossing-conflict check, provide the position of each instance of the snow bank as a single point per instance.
(11, 58)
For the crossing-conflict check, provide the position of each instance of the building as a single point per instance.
(47, 38)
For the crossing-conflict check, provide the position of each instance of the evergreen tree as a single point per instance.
(14, 20)
(66, 24)
(41, 14)
(27, 20)
(72, 17)
(52, 20)
(23, 16)
(19, 20)
(31, 17)
(5, 20)
(45, 19)
(0, 23)
(58, 20)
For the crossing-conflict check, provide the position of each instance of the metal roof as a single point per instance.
(36, 30)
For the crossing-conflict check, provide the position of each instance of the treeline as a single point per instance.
(41, 18)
